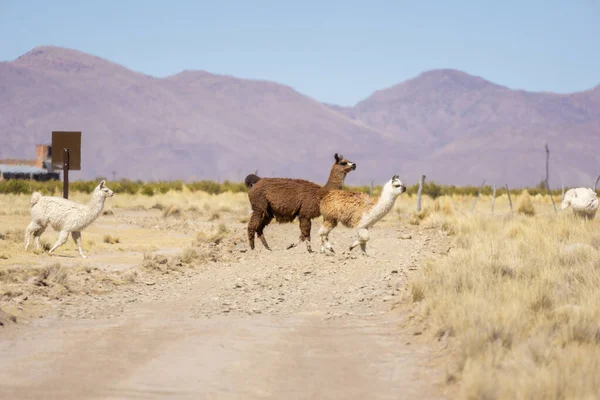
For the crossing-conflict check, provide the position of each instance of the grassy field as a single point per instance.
(517, 300)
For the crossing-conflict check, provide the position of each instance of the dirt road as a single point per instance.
(252, 325)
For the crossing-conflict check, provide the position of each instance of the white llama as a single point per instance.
(65, 216)
(583, 201)
(357, 210)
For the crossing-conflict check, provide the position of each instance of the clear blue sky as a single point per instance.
(334, 51)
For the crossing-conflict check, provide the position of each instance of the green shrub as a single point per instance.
(431, 188)
(15, 186)
(148, 191)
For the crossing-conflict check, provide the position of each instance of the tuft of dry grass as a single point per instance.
(188, 256)
(215, 236)
(13, 236)
(54, 274)
(111, 239)
(45, 246)
(155, 262)
(417, 217)
(171, 211)
(519, 301)
(158, 206)
(524, 204)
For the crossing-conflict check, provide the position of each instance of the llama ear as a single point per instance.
(102, 183)
(337, 158)
(395, 177)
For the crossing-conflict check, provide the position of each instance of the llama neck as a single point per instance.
(95, 207)
(383, 206)
(336, 180)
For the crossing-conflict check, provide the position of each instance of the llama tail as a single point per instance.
(35, 197)
(251, 180)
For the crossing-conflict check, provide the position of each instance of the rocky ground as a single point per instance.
(171, 313)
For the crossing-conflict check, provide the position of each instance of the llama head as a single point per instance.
(570, 194)
(103, 190)
(343, 164)
(395, 186)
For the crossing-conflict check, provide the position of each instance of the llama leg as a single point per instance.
(77, 239)
(304, 234)
(31, 228)
(62, 239)
(324, 234)
(363, 238)
(36, 237)
(259, 231)
(252, 225)
(305, 225)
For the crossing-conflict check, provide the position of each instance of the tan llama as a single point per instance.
(357, 210)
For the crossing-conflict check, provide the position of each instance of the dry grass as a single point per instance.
(188, 256)
(111, 239)
(171, 211)
(519, 299)
(524, 204)
(214, 236)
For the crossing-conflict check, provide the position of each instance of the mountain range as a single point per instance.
(451, 126)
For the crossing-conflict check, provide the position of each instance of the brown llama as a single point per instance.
(357, 210)
(285, 199)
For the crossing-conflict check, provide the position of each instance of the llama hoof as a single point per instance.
(291, 246)
(328, 252)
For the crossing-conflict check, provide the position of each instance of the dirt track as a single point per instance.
(281, 324)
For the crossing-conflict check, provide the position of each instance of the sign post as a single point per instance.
(67, 148)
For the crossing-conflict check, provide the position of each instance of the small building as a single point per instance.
(39, 169)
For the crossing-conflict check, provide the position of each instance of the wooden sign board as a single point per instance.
(66, 140)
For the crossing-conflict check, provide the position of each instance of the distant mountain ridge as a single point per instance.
(451, 126)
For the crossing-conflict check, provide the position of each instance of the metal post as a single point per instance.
(66, 173)
(478, 194)
(509, 199)
(419, 192)
(551, 198)
(493, 198)
(547, 164)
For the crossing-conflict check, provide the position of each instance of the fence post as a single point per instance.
(66, 166)
(509, 200)
(371, 189)
(551, 198)
(478, 194)
(420, 192)
(596, 182)
(562, 196)
(493, 198)
(547, 163)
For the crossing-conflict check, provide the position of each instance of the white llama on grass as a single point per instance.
(583, 201)
(357, 210)
(65, 216)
